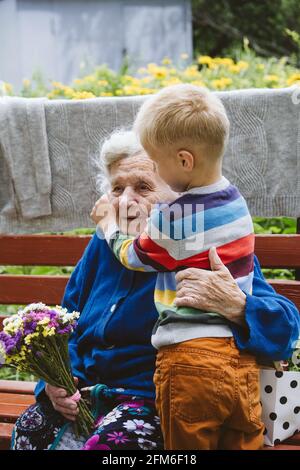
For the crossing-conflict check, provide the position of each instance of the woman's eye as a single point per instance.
(144, 187)
(117, 189)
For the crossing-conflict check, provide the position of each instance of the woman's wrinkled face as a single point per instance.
(135, 187)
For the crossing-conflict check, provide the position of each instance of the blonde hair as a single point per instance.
(183, 113)
(120, 144)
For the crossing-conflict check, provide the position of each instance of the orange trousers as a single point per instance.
(208, 396)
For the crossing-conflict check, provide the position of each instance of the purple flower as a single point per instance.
(10, 342)
(65, 330)
(93, 444)
(29, 327)
(117, 437)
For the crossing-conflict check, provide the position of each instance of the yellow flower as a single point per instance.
(90, 78)
(157, 71)
(104, 93)
(26, 83)
(82, 95)
(166, 61)
(227, 61)
(146, 80)
(160, 75)
(293, 79)
(271, 78)
(49, 332)
(192, 71)
(205, 60)
(57, 85)
(55, 93)
(145, 91)
(102, 82)
(69, 92)
(221, 83)
(119, 92)
(78, 81)
(7, 87)
(30, 337)
(173, 71)
(234, 68)
(152, 67)
(243, 64)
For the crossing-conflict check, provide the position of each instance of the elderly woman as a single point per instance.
(111, 353)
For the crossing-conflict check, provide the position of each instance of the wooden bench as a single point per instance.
(273, 251)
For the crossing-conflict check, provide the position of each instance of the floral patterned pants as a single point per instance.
(123, 421)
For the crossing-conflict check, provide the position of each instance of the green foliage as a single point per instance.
(10, 373)
(276, 225)
(220, 26)
(242, 68)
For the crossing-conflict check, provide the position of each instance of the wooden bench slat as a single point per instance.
(282, 251)
(290, 289)
(6, 430)
(28, 289)
(278, 251)
(42, 250)
(16, 399)
(17, 386)
(50, 289)
(9, 413)
(293, 440)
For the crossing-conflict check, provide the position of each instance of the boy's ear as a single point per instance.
(186, 159)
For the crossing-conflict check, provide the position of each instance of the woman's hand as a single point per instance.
(211, 291)
(103, 213)
(61, 403)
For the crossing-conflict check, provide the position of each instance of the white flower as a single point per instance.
(12, 324)
(67, 317)
(34, 306)
(2, 354)
(157, 420)
(145, 444)
(23, 443)
(138, 426)
(111, 417)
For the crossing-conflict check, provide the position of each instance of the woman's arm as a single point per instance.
(273, 322)
(264, 323)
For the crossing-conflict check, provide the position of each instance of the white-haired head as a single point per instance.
(120, 144)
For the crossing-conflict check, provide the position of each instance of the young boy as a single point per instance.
(207, 392)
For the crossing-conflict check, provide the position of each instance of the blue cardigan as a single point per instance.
(111, 344)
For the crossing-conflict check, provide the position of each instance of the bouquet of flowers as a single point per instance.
(35, 340)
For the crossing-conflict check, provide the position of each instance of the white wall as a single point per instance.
(55, 36)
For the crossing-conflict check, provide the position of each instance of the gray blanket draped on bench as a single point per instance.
(49, 155)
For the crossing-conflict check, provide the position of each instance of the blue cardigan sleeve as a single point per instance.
(273, 322)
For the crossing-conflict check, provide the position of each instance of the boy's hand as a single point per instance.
(103, 213)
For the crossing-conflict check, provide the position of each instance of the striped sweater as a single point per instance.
(178, 236)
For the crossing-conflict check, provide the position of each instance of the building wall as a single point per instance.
(57, 36)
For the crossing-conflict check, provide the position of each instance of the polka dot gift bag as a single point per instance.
(280, 398)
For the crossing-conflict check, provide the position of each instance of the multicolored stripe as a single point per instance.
(179, 235)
